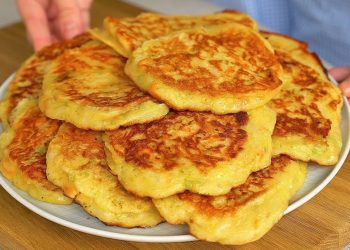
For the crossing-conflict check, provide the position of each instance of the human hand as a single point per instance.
(342, 75)
(48, 21)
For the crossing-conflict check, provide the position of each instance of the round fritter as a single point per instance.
(201, 152)
(244, 214)
(222, 69)
(28, 79)
(88, 88)
(127, 34)
(297, 50)
(24, 146)
(308, 106)
(76, 162)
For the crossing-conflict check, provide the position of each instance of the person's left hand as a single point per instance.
(48, 21)
(342, 75)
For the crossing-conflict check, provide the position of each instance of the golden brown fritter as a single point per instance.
(76, 162)
(87, 87)
(308, 106)
(24, 147)
(201, 152)
(127, 34)
(28, 79)
(244, 214)
(223, 69)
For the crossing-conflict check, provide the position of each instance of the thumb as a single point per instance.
(345, 87)
(69, 18)
(340, 73)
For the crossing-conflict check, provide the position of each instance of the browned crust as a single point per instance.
(168, 67)
(33, 70)
(52, 51)
(33, 132)
(70, 62)
(238, 196)
(88, 144)
(302, 46)
(309, 121)
(295, 114)
(203, 145)
(75, 141)
(131, 32)
(318, 59)
(246, 20)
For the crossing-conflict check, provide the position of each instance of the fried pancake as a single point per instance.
(28, 79)
(76, 162)
(127, 34)
(24, 146)
(87, 87)
(308, 106)
(243, 215)
(296, 49)
(201, 152)
(222, 69)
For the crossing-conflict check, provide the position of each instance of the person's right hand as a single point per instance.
(48, 21)
(342, 75)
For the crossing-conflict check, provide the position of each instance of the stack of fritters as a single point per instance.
(196, 120)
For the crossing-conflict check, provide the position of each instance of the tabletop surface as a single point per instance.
(322, 223)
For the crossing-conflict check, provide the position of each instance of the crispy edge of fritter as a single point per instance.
(105, 37)
(123, 48)
(5, 102)
(246, 224)
(3, 115)
(86, 117)
(10, 170)
(299, 50)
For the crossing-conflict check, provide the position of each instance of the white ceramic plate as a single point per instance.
(73, 216)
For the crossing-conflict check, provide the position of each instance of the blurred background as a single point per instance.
(9, 14)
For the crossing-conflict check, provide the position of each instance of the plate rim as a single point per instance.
(164, 239)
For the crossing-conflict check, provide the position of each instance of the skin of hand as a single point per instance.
(48, 21)
(342, 75)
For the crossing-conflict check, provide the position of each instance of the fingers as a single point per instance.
(340, 73)
(47, 21)
(345, 87)
(36, 22)
(84, 6)
(85, 15)
(55, 33)
(69, 18)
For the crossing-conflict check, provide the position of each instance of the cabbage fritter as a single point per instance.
(223, 69)
(197, 151)
(308, 106)
(244, 214)
(76, 162)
